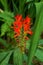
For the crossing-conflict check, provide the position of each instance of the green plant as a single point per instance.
(10, 49)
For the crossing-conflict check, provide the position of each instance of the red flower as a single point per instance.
(27, 25)
(22, 23)
(17, 25)
(27, 20)
(18, 17)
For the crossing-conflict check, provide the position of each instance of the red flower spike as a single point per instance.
(22, 23)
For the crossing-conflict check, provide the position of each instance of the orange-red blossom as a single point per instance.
(20, 23)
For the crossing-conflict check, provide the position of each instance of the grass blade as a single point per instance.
(36, 35)
(5, 5)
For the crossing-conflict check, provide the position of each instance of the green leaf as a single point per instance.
(3, 55)
(21, 6)
(36, 0)
(32, 0)
(38, 7)
(4, 43)
(4, 29)
(25, 57)
(37, 31)
(29, 0)
(7, 17)
(42, 0)
(40, 46)
(6, 60)
(39, 51)
(39, 55)
(5, 4)
(9, 14)
(30, 12)
(15, 8)
(10, 34)
(41, 41)
(17, 57)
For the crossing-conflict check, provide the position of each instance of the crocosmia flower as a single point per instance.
(20, 23)
(17, 25)
(22, 27)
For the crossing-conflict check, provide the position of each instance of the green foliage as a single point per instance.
(39, 51)
(34, 9)
(4, 43)
(32, 0)
(30, 11)
(29, 0)
(17, 57)
(7, 17)
(39, 55)
(15, 8)
(36, 35)
(41, 42)
(3, 55)
(4, 29)
(42, 0)
(21, 6)
(6, 60)
(5, 4)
